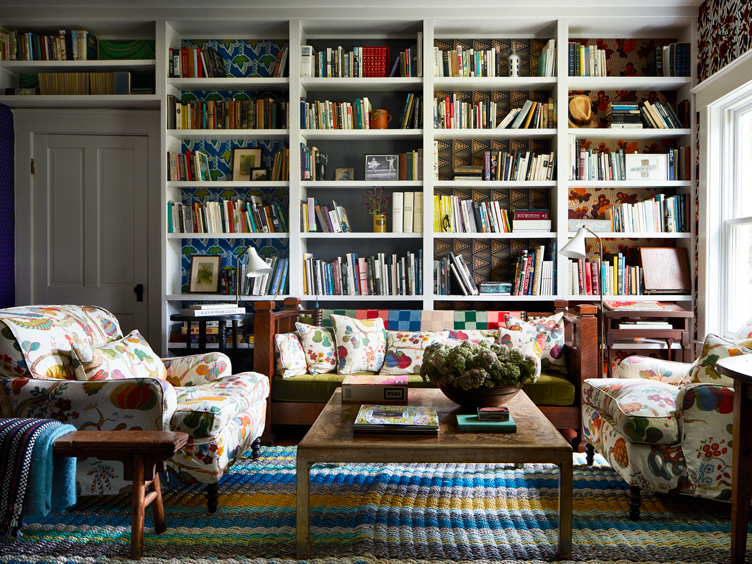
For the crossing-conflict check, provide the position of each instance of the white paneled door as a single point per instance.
(90, 223)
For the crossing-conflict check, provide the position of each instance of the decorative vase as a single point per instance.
(379, 223)
(513, 63)
(480, 397)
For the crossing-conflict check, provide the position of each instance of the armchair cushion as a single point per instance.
(657, 369)
(197, 369)
(129, 357)
(642, 411)
(715, 348)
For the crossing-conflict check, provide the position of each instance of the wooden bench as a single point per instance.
(143, 454)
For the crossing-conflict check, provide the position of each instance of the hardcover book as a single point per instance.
(469, 423)
(397, 419)
(366, 387)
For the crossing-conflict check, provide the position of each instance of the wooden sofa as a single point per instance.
(581, 332)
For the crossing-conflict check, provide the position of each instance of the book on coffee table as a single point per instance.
(374, 388)
(396, 419)
(469, 423)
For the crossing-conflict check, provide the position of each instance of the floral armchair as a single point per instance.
(667, 426)
(72, 363)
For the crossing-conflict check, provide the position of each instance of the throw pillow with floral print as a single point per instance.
(404, 350)
(289, 357)
(549, 332)
(129, 357)
(318, 346)
(361, 344)
(703, 369)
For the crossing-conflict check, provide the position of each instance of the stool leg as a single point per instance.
(137, 509)
(160, 526)
(212, 497)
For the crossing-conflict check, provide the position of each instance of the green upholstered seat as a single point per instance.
(551, 389)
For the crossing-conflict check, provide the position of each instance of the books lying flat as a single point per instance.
(212, 306)
(208, 312)
(646, 325)
(396, 419)
(633, 305)
(469, 423)
(366, 387)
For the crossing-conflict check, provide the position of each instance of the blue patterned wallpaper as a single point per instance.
(7, 211)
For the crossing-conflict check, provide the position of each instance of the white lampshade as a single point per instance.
(256, 265)
(576, 247)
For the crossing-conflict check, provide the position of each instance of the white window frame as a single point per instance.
(719, 100)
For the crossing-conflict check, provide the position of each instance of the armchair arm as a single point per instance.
(105, 405)
(197, 369)
(649, 368)
(706, 413)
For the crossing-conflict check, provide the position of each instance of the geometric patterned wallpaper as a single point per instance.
(7, 210)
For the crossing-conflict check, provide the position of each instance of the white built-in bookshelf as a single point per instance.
(347, 148)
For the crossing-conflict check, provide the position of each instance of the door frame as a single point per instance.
(30, 122)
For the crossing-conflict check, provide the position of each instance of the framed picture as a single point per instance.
(382, 167)
(344, 174)
(244, 161)
(260, 174)
(646, 166)
(204, 276)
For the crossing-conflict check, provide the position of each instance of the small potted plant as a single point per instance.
(376, 203)
(478, 374)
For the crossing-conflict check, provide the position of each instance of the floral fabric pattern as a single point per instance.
(289, 356)
(318, 347)
(744, 332)
(549, 332)
(197, 369)
(657, 369)
(404, 351)
(488, 336)
(521, 340)
(642, 412)
(715, 348)
(361, 344)
(129, 357)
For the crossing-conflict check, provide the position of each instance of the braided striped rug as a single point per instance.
(388, 513)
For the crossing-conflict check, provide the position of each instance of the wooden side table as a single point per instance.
(740, 369)
(143, 454)
(678, 317)
(222, 323)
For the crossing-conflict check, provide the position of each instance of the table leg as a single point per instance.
(741, 479)
(160, 525)
(202, 335)
(303, 508)
(137, 508)
(565, 509)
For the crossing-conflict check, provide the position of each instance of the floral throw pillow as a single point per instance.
(318, 347)
(129, 357)
(289, 356)
(522, 340)
(703, 369)
(488, 336)
(549, 332)
(404, 350)
(361, 344)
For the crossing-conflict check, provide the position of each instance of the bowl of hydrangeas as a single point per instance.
(478, 374)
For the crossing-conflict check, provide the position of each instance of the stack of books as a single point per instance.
(468, 172)
(624, 115)
(531, 220)
(204, 310)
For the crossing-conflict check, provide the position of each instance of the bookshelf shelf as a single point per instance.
(448, 134)
(218, 297)
(238, 184)
(662, 83)
(621, 184)
(603, 133)
(228, 235)
(361, 183)
(633, 235)
(390, 84)
(113, 101)
(661, 297)
(31, 67)
(246, 84)
(494, 184)
(495, 83)
(362, 134)
(368, 298)
(362, 235)
(229, 133)
(518, 235)
(494, 298)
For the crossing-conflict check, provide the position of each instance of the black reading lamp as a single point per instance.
(256, 267)
(575, 249)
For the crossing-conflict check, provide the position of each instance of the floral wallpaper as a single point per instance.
(723, 34)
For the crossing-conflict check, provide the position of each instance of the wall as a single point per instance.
(723, 34)
(7, 210)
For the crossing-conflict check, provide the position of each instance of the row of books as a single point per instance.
(227, 216)
(628, 115)
(335, 115)
(412, 112)
(587, 60)
(519, 166)
(188, 166)
(587, 164)
(351, 275)
(84, 83)
(660, 214)
(612, 275)
(267, 284)
(281, 165)
(262, 113)
(312, 163)
(452, 277)
(196, 62)
(661, 116)
(453, 214)
(590, 165)
(336, 62)
(451, 113)
(547, 59)
(410, 165)
(76, 45)
(407, 212)
(315, 218)
(468, 63)
(534, 272)
(669, 60)
(532, 115)
(409, 61)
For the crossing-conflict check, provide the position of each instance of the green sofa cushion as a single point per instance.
(319, 388)
(551, 389)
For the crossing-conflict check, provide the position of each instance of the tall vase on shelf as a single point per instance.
(379, 223)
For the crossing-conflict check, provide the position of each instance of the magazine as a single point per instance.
(398, 419)
(635, 306)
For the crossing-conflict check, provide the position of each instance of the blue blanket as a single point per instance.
(52, 480)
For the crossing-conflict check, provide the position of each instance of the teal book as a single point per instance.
(468, 423)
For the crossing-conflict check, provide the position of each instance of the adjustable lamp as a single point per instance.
(576, 249)
(256, 267)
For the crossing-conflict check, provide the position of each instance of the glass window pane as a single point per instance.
(739, 281)
(742, 200)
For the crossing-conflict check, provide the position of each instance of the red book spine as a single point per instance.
(588, 277)
(199, 63)
(595, 278)
(183, 62)
(526, 279)
(580, 276)
(531, 215)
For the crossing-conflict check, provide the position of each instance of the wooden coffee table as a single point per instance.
(331, 439)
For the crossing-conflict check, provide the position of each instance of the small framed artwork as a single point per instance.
(203, 165)
(244, 161)
(646, 166)
(344, 174)
(204, 276)
(382, 167)
(260, 174)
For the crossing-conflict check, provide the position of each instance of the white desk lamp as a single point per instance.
(575, 249)
(256, 267)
